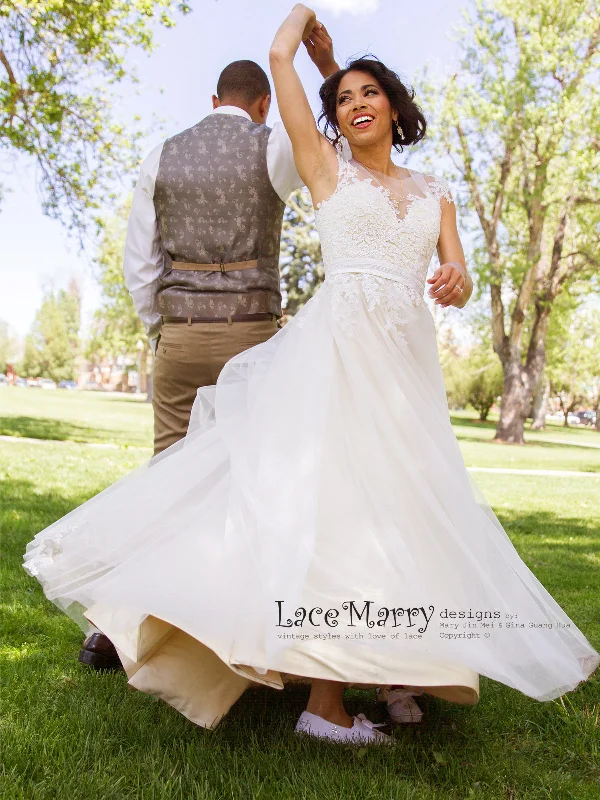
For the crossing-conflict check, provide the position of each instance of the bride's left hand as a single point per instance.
(449, 284)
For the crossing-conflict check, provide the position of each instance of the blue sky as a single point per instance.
(176, 84)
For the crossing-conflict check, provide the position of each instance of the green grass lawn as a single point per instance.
(554, 430)
(71, 733)
(548, 449)
(75, 416)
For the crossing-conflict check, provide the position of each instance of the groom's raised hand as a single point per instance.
(319, 46)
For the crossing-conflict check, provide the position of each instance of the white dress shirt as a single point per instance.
(142, 262)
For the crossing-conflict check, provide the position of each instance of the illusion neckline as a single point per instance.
(355, 161)
(379, 187)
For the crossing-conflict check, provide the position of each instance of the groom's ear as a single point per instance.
(215, 101)
(265, 105)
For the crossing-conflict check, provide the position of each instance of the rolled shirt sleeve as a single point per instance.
(280, 162)
(143, 259)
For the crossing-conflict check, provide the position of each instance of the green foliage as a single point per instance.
(456, 378)
(519, 121)
(485, 387)
(116, 327)
(60, 60)
(574, 372)
(52, 346)
(454, 367)
(474, 379)
(8, 346)
(300, 259)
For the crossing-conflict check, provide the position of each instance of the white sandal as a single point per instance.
(361, 732)
(401, 707)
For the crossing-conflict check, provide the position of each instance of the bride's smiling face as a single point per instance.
(364, 113)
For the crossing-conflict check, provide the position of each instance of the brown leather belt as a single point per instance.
(223, 267)
(263, 315)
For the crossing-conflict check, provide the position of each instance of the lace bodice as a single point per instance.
(377, 243)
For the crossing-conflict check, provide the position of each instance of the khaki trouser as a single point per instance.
(189, 356)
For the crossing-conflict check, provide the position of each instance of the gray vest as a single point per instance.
(214, 202)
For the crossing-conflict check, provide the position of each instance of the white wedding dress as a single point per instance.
(320, 473)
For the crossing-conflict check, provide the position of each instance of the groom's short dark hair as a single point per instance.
(244, 81)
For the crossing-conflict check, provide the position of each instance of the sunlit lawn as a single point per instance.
(554, 430)
(75, 416)
(74, 734)
(547, 449)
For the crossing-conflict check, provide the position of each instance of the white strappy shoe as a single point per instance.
(400, 704)
(362, 731)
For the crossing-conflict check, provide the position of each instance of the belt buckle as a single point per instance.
(222, 265)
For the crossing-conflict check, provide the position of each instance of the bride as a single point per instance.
(318, 521)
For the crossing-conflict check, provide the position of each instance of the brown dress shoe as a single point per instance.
(99, 652)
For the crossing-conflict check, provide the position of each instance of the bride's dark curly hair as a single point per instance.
(410, 116)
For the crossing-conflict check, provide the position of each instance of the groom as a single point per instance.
(202, 249)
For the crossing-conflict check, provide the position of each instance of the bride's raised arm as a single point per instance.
(314, 155)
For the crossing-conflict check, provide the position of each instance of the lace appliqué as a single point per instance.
(361, 225)
(46, 552)
(345, 175)
(439, 188)
(396, 302)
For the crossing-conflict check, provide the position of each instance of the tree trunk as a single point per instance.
(563, 408)
(516, 402)
(540, 405)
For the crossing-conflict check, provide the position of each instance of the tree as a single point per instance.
(52, 346)
(456, 380)
(539, 407)
(564, 309)
(484, 388)
(453, 361)
(116, 327)
(9, 345)
(473, 377)
(575, 369)
(59, 60)
(520, 122)
(301, 260)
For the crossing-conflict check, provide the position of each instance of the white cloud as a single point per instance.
(347, 6)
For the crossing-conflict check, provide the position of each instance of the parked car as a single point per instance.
(572, 419)
(20, 382)
(67, 385)
(587, 417)
(3, 380)
(46, 383)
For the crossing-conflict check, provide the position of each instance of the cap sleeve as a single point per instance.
(439, 187)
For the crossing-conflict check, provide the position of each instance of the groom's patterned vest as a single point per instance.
(214, 202)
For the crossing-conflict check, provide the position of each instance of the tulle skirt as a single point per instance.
(317, 521)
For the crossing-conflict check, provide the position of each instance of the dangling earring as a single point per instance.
(399, 129)
(343, 148)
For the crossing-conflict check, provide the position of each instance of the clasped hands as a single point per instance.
(319, 44)
(449, 284)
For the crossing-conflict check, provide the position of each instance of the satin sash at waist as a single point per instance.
(375, 266)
